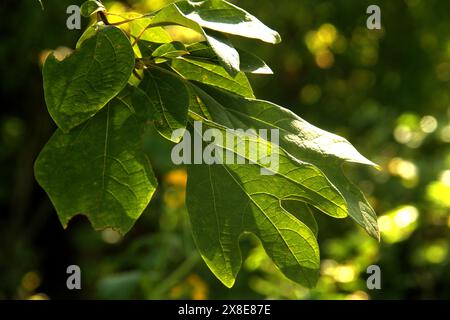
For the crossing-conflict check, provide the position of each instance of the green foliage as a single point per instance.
(83, 83)
(99, 168)
(94, 163)
(326, 151)
(90, 7)
(169, 95)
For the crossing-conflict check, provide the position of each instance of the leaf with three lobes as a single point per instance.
(99, 168)
(226, 200)
(303, 212)
(79, 86)
(325, 150)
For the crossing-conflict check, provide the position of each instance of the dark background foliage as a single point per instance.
(387, 91)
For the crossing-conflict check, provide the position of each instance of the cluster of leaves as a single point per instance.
(127, 75)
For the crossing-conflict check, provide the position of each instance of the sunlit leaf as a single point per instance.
(305, 142)
(99, 169)
(212, 74)
(249, 63)
(170, 50)
(139, 28)
(83, 83)
(225, 17)
(226, 200)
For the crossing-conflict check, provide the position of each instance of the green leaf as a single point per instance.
(303, 212)
(90, 7)
(249, 63)
(99, 169)
(89, 32)
(170, 97)
(212, 74)
(253, 64)
(225, 17)
(170, 50)
(140, 28)
(83, 83)
(306, 142)
(196, 105)
(202, 50)
(226, 200)
(228, 56)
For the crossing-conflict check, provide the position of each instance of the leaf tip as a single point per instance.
(229, 283)
(277, 37)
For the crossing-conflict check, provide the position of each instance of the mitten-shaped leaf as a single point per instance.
(99, 168)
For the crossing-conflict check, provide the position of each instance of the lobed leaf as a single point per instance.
(226, 200)
(99, 168)
(325, 150)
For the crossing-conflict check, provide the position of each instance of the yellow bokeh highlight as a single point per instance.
(403, 134)
(397, 225)
(31, 281)
(193, 287)
(199, 287)
(324, 59)
(438, 192)
(39, 296)
(428, 124)
(411, 130)
(404, 169)
(445, 134)
(320, 42)
(343, 273)
(436, 253)
(327, 34)
(175, 195)
(324, 37)
(177, 178)
(357, 295)
(445, 178)
(176, 292)
(111, 236)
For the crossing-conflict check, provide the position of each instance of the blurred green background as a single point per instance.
(387, 91)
